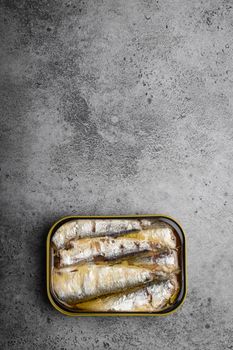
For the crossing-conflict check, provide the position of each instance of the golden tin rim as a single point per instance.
(115, 314)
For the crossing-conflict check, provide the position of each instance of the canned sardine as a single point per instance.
(128, 265)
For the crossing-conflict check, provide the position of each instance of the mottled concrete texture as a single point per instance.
(112, 107)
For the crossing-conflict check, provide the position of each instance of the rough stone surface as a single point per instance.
(112, 107)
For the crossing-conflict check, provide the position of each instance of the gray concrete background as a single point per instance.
(114, 107)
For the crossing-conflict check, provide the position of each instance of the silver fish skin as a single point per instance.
(166, 262)
(83, 228)
(89, 281)
(159, 232)
(106, 248)
(151, 298)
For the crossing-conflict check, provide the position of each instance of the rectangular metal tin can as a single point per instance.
(182, 262)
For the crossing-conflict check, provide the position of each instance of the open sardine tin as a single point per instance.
(116, 265)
